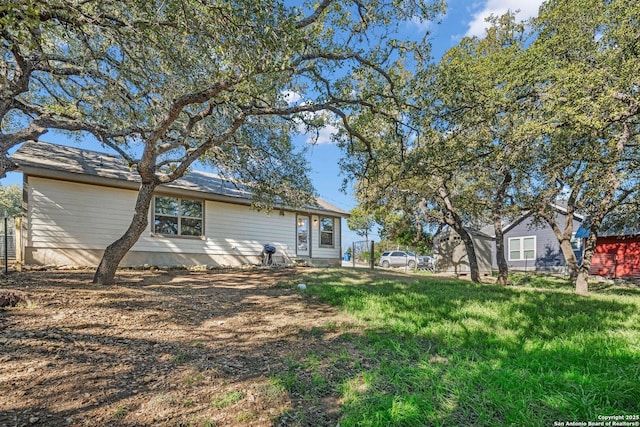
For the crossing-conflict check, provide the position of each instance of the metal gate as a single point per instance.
(7, 241)
(359, 254)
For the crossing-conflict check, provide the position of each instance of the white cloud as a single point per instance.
(291, 97)
(417, 23)
(421, 25)
(324, 135)
(527, 8)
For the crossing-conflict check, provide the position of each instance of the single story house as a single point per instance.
(450, 254)
(617, 256)
(531, 245)
(77, 202)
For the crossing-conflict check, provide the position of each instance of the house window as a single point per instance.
(177, 217)
(522, 248)
(326, 231)
(576, 242)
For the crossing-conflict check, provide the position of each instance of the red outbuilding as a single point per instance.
(617, 257)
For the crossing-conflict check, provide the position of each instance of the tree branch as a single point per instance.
(314, 16)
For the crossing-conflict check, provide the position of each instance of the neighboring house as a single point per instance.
(617, 256)
(77, 202)
(451, 255)
(531, 245)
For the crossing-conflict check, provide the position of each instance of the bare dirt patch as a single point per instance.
(169, 348)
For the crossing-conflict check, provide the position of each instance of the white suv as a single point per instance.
(398, 259)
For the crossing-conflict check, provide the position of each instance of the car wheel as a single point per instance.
(385, 264)
(412, 264)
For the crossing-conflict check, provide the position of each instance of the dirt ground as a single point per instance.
(164, 348)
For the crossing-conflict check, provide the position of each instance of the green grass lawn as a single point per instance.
(446, 352)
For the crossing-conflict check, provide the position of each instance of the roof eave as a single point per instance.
(167, 189)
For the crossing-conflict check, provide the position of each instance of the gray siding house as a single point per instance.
(531, 245)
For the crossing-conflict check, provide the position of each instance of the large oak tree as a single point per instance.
(64, 66)
(168, 83)
(586, 57)
(454, 161)
(483, 97)
(508, 121)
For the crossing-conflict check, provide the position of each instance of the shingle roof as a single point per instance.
(46, 156)
(627, 231)
(561, 207)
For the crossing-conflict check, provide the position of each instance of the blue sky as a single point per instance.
(463, 18)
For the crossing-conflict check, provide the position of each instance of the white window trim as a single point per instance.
(333, 232)
(521, 239)
(177, 236)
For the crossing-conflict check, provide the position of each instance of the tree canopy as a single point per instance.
(167, 83)
(505, 123)
(361, 222)
(11, 200)
(589, 111)
(513, 121)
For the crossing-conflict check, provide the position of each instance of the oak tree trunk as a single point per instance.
(570, 258)
(582, 283)
(582, 279)
(453, 220)
(503, 267)
(106, 272)
(471, 253)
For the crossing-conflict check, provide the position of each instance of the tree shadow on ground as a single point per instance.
(455, 353)
(165, 349)
(179, 348)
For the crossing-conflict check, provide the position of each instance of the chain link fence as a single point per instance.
(359, 254)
